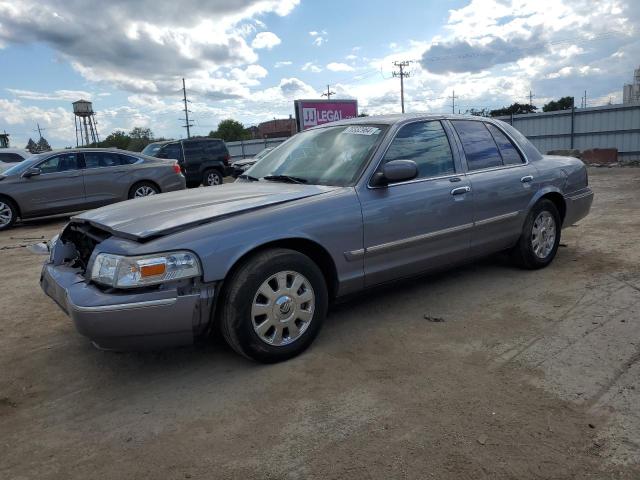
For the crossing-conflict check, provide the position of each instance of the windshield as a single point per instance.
(263, 153)
(152, 149)
(323, 156)
(22, 166)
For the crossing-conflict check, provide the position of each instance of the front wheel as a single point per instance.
(8, 214)
(273, 306)
(540, 237)
(212, 178)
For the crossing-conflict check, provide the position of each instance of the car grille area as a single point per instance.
(84, 238)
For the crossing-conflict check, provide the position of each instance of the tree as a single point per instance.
(117, 138)
(32, 146)
(43, 145)
(478, 113)
(564, 103)
(363, 114)
(139, 138)
(230, 130)
(514, 109)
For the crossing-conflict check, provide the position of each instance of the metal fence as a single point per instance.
(249, 148)
(611, 126)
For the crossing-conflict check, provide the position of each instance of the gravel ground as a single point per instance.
(527, 375)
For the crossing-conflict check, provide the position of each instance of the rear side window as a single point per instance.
(193, 148)
(172, 151)
(510, 155)
(426, 144)
(127, 160)
(215, 148)
(479, 148)
(101, 159)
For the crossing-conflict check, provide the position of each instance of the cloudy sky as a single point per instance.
(249, 59)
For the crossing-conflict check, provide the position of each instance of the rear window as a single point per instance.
(10, 157)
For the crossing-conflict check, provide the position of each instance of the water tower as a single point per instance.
(86, 126)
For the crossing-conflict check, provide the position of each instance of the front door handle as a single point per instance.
(527, 179)
(460, 190)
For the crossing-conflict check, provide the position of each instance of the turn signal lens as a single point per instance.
(151, 270)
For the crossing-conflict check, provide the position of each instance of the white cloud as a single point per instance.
(282, 63)
(311, 67)
(266, 40)
(339, 67)
(319, 38)
(57, 95)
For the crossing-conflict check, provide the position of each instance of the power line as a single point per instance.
(328, 93)
(186, 125)
(401, 74)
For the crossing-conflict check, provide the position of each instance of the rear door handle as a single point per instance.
(527, 179)
(460, 190)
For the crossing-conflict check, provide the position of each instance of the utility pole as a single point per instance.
(530, 99)
(39, 130)
(401, 74)
(329, 93)
(585, 99)
(453, 101)
(186, 110)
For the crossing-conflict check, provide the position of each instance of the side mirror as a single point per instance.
(32, 172)
(396, 171)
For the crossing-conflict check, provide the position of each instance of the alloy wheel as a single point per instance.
(283, 308)
(213, 178)
(543, 234)
(144, 191)
(6, 214)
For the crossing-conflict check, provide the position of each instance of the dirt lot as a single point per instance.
(529, 375)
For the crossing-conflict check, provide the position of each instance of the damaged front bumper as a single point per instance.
(131, 320)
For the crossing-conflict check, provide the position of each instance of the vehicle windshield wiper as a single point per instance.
(285, 178)
(248, 177)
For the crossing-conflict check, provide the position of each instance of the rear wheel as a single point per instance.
(143, 189)
(273, 305)
(8, 213)
(212, 178)
(540, 237)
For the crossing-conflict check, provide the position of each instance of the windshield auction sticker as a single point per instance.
(362, 130)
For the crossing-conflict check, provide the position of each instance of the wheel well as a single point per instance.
(311, 249)
(7, 197)
(559, 202)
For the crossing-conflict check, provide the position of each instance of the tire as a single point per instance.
(282, 324)
(212, 178)
(8, 213)
(535, 248)
(138, 190)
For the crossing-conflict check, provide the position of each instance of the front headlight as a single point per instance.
(128, 272)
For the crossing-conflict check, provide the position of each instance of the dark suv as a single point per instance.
(202, 160)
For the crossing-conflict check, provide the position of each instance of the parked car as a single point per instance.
(12, 156)
(79, 179)
(203, 160)
(336, 209)
(244, 164)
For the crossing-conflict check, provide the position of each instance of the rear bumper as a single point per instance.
(129, 321)
(578, 205)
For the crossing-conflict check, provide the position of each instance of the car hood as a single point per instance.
(157, 215)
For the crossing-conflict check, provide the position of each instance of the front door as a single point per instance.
(58, 188)
(418, 225)
(503, 185)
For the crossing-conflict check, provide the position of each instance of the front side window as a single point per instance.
(509, 153)
(323, 156)
(479, 148)
(426, 144)
(60, 163)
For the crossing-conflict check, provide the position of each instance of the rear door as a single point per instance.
(417, 225)
(503, 184)
(194, 158)
(59, 187)
(105, 178)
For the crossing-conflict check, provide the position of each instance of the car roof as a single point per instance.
(22, 151)
(395, 118)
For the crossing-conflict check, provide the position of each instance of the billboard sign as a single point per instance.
(310, 113)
